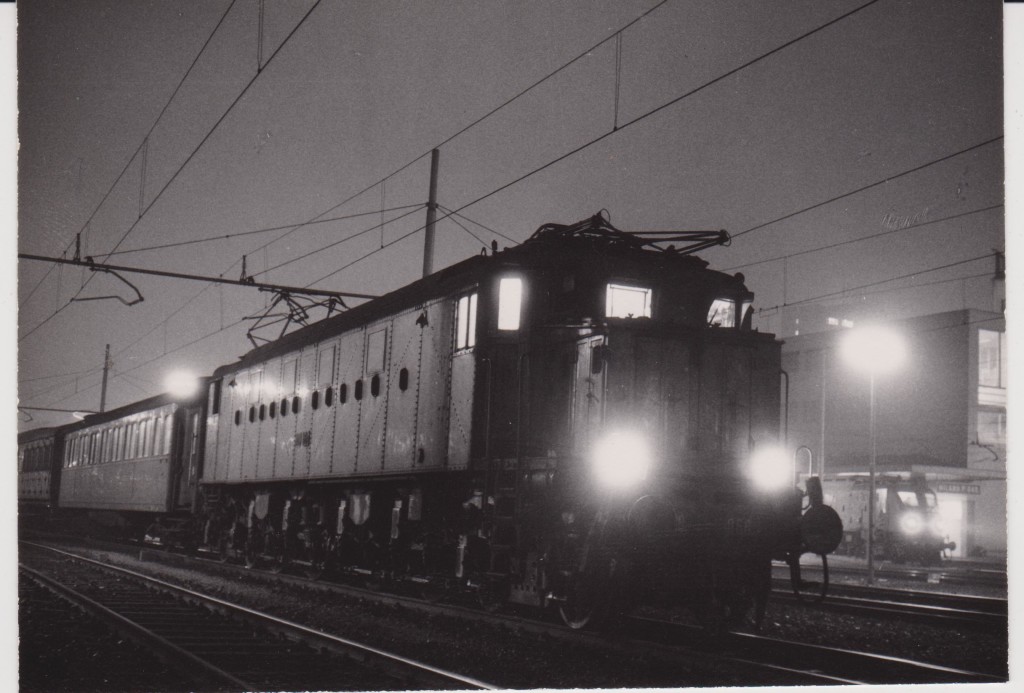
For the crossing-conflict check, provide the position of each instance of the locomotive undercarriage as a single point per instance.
(444, 538)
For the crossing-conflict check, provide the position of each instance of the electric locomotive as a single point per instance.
(908, 526)
(579, 422)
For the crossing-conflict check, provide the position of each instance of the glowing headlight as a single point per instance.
(621, 459)
(937, 526)
(770, 468)
(911, 523)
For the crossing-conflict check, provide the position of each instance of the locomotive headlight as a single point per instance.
(770, 468)
(911, 523)
(937, 526)
(621, 459)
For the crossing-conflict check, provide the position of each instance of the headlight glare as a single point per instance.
(770, 468)
(621, 459)
(911, 523)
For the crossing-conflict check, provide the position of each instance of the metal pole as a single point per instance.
(871, 485)
(824, 390)
(428, 239)
(106, 370)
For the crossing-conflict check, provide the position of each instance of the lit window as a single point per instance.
(722, 313)
(510, 302)
(833, 321)
(991, 427)
(847, 323)
(627, 302)
(465, 322)
(991, 359)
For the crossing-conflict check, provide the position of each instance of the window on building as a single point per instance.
(722, 313)
(834, 322)
(627, 301)
(991, 358)
(846, 323)
(991, 427)
(510, 303)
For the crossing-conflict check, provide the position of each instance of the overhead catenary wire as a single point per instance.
(211, 239)
(475, 122)
(188, 159)
(864, 238)
(878, 283)
(868, 187)
(142, 144)
(634, 121)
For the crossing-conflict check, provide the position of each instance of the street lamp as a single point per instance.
(875, 350)
(181, 384)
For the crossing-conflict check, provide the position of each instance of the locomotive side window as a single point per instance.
(343, 393)
(623, 301)
(329, 397)
(284, 407)
(403, 379)
(510, 303)
(722, 313)
(359, 389)
(465, 322)
(296, 404)
(316, 400)
(325, 369)
(238, 417)
(375, 385)
(215, 396)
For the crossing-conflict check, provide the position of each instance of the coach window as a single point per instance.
(465, 322)
(510, 303)
(623, 301)
(722, 313)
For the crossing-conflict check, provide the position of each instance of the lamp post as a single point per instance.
(875, 350)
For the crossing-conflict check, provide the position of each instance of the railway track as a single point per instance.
(768, 661)
(932, 608)
(945, 574)
(225, 646)
(832, 664)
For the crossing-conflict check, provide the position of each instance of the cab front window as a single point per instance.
(627, 301)
(722, 313)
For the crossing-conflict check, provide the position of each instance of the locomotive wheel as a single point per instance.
(588, 597)
(812, 591)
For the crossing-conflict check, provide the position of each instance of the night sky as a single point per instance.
(350, 92)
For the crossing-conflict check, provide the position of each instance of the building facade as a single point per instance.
(941, 414)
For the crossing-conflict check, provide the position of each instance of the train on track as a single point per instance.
(581, 422)
(908, 527)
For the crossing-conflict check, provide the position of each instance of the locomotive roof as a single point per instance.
(551, 246)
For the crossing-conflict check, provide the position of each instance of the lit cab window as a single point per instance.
(627, 302)
(510, 303)
(722, 313)
(465, 322)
